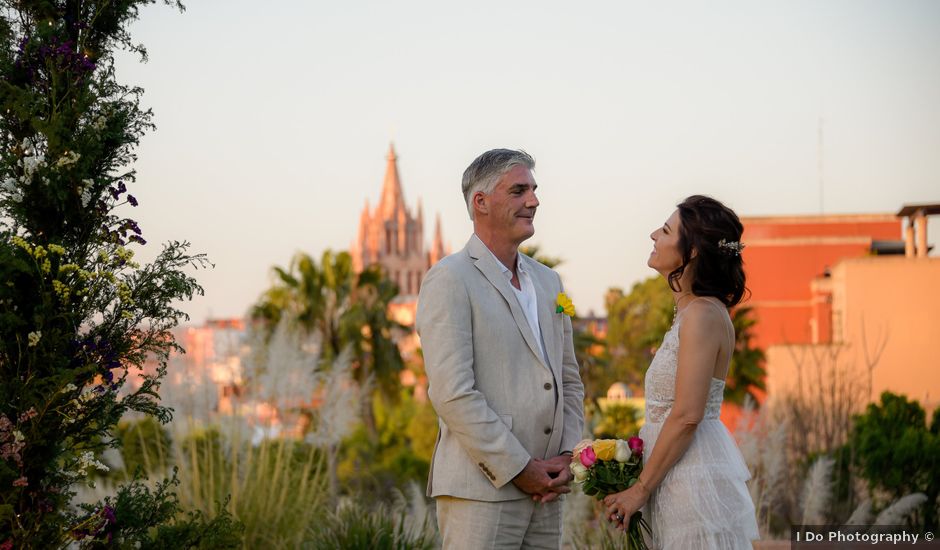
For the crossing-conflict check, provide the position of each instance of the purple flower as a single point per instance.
(132, 200)
(108, 513)
(137, 239)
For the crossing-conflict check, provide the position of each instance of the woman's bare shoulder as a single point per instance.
(704, 313)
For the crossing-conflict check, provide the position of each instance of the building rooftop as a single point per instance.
(928, 209)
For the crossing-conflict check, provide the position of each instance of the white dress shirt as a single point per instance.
(527, 298)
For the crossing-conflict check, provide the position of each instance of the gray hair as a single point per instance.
(486, 169)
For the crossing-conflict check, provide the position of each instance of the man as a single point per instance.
(501, 369)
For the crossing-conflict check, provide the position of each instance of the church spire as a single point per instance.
(437, 245)
(393, 199)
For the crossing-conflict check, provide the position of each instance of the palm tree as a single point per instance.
(345, 310)
(370, 331)
(534, 252)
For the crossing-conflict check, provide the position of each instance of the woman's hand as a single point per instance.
(622, 505)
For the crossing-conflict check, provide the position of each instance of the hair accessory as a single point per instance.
(732, 248)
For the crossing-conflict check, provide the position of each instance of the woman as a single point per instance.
(693, 479)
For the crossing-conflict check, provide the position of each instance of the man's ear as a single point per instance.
(479, 203)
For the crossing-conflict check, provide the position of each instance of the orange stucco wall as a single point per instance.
(783, 256)
(892, 302)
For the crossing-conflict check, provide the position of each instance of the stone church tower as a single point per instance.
(392, 236)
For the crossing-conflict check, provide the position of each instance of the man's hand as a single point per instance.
(561, 475)
(545, 479)
(540, 477)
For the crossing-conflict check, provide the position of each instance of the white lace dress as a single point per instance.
(703, 502)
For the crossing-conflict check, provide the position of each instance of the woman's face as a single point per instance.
(666, 256)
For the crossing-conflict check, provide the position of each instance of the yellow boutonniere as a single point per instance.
(564, 305)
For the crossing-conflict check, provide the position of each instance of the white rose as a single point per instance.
(623, 451)
(579, 471)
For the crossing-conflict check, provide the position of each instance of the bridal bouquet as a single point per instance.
(607, 466)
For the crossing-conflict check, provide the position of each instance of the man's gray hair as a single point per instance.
(486, 169)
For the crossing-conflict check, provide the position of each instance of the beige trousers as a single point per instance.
(510, 524)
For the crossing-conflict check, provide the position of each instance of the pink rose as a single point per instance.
(588, 458)
(636, 445)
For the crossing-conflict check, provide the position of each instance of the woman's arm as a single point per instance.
(699, 346)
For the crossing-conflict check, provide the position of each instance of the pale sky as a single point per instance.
(274, 119)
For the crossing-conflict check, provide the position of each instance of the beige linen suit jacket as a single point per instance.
(497, 401)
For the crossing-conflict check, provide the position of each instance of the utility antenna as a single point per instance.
(819, 159)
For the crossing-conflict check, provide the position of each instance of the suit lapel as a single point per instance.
(486, 263)
(547, 315)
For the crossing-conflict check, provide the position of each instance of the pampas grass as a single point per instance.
(419, 521)
(765, 453)
(861, 515)
(817, 492)
(901, 509)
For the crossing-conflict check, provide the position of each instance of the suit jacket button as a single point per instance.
(548, 385)
(548, 431)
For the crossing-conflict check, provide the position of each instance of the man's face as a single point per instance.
(511, 205)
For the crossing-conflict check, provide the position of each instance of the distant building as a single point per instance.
(853, 287)
(784, 254)
(393, 237)
(596, 326)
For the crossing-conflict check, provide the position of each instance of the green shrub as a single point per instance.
(617, 421)
(127, 520)
(897, 452)
(355, 527)
(276, 489)
(145, 444)
(78, 314)
(407, 432)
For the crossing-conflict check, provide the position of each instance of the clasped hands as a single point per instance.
(545, 480)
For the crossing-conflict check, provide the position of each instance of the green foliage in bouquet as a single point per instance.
(609, 476)
(79, 318)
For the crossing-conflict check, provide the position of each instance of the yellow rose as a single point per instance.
(564, 305)
(605, 449)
